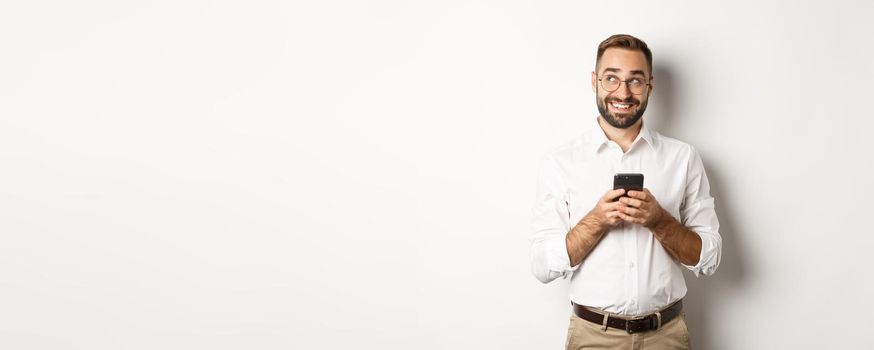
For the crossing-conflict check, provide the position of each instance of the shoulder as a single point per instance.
(674, 147)
(567, 150)
(680, 153)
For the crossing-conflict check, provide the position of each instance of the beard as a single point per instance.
(621, 120)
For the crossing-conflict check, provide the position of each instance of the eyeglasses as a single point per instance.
(611, 83)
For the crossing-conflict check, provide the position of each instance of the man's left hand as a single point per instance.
(640, 207)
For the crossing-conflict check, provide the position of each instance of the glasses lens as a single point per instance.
(610, 83)
(636, 86)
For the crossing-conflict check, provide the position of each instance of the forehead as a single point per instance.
(623, 59)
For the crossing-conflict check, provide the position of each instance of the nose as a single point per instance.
(623, 91)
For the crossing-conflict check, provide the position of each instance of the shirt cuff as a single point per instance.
(560, 262)
(708, 261)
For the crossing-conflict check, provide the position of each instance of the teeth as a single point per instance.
(622, 106)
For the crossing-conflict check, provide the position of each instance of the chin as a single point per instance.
(622, 121)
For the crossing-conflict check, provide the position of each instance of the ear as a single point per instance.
(594, 82)
(651, 83)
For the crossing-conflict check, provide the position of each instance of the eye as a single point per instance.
(612, 78)
(636, 81)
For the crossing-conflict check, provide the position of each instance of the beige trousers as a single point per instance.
(582, 334)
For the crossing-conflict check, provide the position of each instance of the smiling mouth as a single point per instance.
(621, 106)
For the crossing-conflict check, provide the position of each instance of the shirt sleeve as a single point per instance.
(699, 215)
(550, 224)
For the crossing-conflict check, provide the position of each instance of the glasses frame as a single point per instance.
(648, 85)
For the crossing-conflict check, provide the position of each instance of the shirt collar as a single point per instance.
(598, 138)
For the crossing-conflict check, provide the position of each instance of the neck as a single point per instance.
(623, 137)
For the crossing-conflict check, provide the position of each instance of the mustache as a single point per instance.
(627, 100)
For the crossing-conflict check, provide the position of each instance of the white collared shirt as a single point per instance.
(628, 272)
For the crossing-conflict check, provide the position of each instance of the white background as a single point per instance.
(360, 174)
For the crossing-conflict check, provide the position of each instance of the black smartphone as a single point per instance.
(628, 181)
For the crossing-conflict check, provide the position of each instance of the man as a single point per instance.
(624, 252)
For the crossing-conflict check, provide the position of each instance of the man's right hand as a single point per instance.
(583, 237)
(605, 214)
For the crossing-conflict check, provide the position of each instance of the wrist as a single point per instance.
(663, 220)
(592, 226)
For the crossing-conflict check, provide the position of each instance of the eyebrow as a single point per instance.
(617, 70)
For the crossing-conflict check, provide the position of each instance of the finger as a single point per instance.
(613, 216)
(638, 194)
(631, 202)
(631, 219)
(632, 212)
(612, 195)
(611, 206)
(647, 195)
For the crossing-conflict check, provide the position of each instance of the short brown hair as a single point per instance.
(625, 41)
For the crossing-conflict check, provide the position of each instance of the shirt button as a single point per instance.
(631, 264)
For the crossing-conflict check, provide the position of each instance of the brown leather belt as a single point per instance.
(635, 325)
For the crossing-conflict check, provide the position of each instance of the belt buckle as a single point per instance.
(647, 319)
